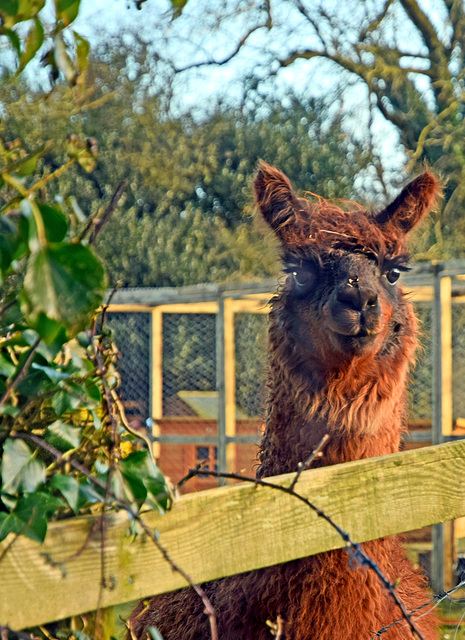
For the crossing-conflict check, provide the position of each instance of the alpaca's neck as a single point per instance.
(361, 406)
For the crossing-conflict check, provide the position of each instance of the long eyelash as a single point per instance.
(399, 262)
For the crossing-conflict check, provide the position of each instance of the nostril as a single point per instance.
(372, 300)
(350, 297)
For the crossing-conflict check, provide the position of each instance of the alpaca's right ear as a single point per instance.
(277, 202)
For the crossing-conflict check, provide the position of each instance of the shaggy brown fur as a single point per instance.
(341, 339)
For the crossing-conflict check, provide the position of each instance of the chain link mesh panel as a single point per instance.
(189, 363)
(250, 332)
(132, 337)
(458, 362)
(421, 379)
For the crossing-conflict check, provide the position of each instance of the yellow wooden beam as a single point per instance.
(230, 382)
(129, 308)
(250, 306)
(419, 294)
(189, 307)
(446, 356)
(219, 532)
(156, 374)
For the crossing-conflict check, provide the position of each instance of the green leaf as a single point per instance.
(9, 410)
(63, 436)
(21, 470)
(67, 10)
(33, 384)
(11, 35)
(61, 402)
(82, 52)
(34, 41)
(34, 510)
(10, 7)
(159, 495)
(32, 230)
(14, 11)
(65, 283)
(91, 493)
(54, 375)
(138, 468)
(55, 223)
(178, 6)
(9, 523)
(94, 393)
(68, 486)
(130, 491)
(7, 368)
(29, 8)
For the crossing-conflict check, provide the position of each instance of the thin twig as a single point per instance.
(21, 373)
(108, 211)
(435, 600)
(302, 466)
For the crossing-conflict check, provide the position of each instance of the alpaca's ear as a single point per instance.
(277, 202)
(413, 202)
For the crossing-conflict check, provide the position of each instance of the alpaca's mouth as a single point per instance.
(359, 333)
(356, 343)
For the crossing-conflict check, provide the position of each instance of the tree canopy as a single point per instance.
(187, 214)
(403, 59)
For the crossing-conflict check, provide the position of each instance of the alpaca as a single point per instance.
(341, 338)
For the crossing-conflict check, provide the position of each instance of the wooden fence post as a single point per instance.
(156, 374)
(443, 534)
(220, 386)
(229, 384)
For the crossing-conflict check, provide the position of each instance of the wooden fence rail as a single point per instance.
(228, 530)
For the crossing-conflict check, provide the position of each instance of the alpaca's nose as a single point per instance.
(358, 296)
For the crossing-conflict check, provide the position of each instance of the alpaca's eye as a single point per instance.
(392, 275)
(302, 277)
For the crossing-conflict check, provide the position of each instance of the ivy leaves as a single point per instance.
(63, 286)
(63, 446)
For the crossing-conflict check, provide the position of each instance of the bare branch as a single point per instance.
(374, 24)
(108, 211)
(424, 26)
(230, 56)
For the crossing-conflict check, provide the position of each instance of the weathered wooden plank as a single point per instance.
(229, 530)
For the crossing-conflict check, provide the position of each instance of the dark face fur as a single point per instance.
(348, 301)
(341, 298)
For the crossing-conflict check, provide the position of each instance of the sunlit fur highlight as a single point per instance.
(359, 400)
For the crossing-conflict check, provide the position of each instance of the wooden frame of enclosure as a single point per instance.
(436, 283)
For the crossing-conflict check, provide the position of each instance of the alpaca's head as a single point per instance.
(341, 300)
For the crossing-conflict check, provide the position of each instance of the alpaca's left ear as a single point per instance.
(412, 204)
